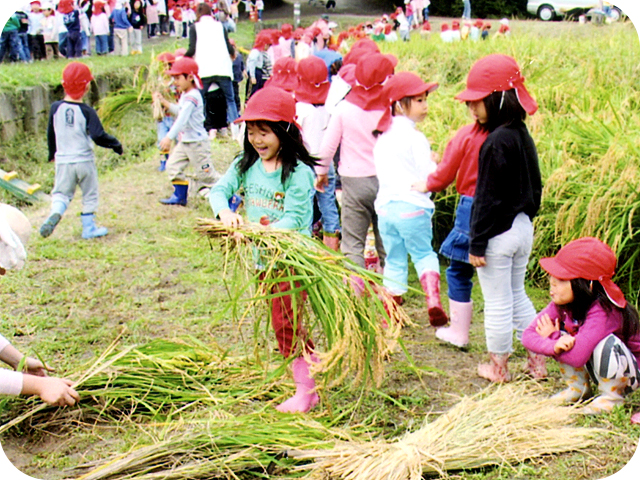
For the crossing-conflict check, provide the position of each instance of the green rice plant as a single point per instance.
(355, 340)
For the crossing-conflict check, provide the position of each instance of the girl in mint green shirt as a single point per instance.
(275, 172)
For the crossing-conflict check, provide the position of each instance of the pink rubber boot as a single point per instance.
(305, 397)
(430, 282)
(497, 369)
(458, 333)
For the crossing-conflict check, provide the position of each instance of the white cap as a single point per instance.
(15, 230)
(505, 21)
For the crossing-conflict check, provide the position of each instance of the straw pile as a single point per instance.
(355, 340)
(506, 426)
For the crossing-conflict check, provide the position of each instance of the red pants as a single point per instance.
(282, 318)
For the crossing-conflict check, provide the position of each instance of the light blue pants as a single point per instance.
(71, 175)
(406, 230)
(506, 304)
(163, 127)
(327, 204)
(466, 14)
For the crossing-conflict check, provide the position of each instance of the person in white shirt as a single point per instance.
(15, 230)
(402, 154)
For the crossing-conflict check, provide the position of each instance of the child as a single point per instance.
(507, 198)
(311, 94)
(100, 27)
(258, 67)
(239, 72)
(588, 327)
(72, 127)
(36, 38)
(14, 234)
(194, 143)
(138, 21)
(460, 163)
(121, 29)
(165, 122)
(152, 19)
(274, 171)
(351, 125)
(50, 31)
(401, 154)
(71, 21)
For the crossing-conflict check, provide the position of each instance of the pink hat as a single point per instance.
(284, 74)
(165, 57)
(399, 86)
(270, 104)
(75, 78)
(587, 258)
(313, 86)
(497, 73)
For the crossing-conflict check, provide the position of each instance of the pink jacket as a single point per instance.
(597, 325)
(350, 127)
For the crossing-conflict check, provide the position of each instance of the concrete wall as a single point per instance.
(26, 110)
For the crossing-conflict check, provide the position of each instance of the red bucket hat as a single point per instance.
(75, 78)
(65, 6)
(371, 72)
(166, 57)
(270, 104)
(284, 74)
(587, 258)
(313, 86)
(497, 73)
(401, 85)
(185, 66)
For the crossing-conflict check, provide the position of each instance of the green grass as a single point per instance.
(153, 277)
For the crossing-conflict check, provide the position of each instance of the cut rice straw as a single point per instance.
(503, 427)
(348, 302)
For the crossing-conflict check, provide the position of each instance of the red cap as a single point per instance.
(284, 74)
(359, 49)
(371, 72)
(185, 66)
(399, 86)
(313, 86)
(75, 78)
(166, 57)
(287, 31)
(348, 74)
(444, 27)
(65, 6)
(497, 73)
(587, 258)
(270, 104)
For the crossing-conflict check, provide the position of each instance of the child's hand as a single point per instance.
(435, 156)
(230, 219)
(58, 391)
(546, 326)
(165, 144)
(564, 344)
(253, 81)
(477, 261)
(420, 186)
(321, 182)
(35, 367)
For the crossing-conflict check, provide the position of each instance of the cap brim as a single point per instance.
(555, 269)
(469, 95)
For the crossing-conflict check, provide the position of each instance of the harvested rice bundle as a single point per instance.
(159, 378)
(357, 341)
(218, 448)
(506, 426)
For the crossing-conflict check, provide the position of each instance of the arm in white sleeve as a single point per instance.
(183, 117)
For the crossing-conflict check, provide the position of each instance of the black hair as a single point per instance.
(586, 293)
(292, 149)
(405, 103)
(503, 108)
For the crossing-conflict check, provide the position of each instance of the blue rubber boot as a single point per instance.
(89, 227)
(179, 196)
(163, 164)
(49, 225)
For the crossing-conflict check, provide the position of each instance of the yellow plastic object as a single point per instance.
(10, 176)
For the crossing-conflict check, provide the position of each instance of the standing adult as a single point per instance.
(209, 46)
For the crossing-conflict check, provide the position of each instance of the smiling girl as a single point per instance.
(589, 327)
(275, 172)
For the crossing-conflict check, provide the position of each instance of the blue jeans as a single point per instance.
(26, 51)
(10, 42)
(327, 204)
(84, 41)
(163, 127)
(406, 230)
(506, 304)
(459, 275)
(467, 9)
(102, 44)
(62, 43)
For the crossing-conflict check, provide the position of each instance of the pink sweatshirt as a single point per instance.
(597, 325)
(350, 127)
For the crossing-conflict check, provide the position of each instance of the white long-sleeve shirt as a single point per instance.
(190, 118)
(402, 156)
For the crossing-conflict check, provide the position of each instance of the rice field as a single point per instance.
(179, 379)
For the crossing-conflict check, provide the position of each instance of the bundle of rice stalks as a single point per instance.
(351, 321)
(160, 378)
(253, 444)
(146, 80)
(504, 427)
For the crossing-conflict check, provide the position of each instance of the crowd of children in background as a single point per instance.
(324, 109)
